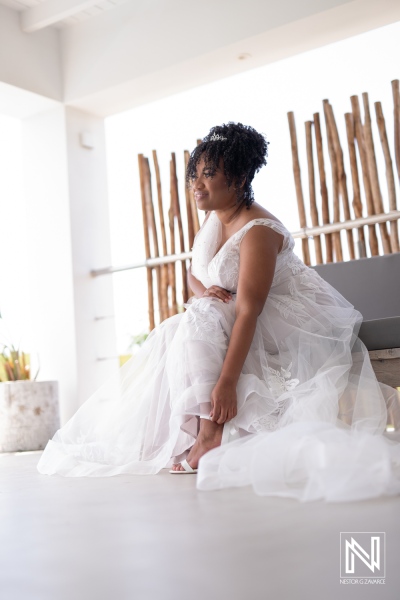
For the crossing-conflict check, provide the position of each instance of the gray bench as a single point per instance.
(372, 285)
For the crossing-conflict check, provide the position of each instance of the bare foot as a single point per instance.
(209, 437)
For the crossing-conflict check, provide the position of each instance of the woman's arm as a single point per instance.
(195, 285)
(215, 291)
(258, 252)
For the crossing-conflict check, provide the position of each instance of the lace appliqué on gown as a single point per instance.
(205, 321)
(278, 383)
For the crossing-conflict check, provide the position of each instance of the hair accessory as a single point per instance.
(216, 137)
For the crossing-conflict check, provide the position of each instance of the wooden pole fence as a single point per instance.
(365, 191)
(358, 129)
(394, 236)
(357, 204)
(341, 174)
(337, 244)
(164, 311)
(149, 270)
(373, 174)
(297, 180)
(177, 215)
(323, 186)
(311, 186)
(396, 119)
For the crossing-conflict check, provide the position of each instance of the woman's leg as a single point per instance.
(209, 437)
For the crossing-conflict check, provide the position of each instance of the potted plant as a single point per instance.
(29, 409)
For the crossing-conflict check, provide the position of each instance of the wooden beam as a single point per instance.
(51, 12)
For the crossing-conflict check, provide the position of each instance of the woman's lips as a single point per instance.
(200, 196)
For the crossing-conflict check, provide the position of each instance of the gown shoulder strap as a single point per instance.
(288, 241)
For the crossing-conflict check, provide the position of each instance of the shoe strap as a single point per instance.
(186, 465)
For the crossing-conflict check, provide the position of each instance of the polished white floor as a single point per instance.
(155, 537)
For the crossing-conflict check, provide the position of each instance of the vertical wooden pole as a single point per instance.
(373, 174)
(195, 210)
(189, 215)
(152, 227)
(323, 188)
(297, 181)
(311, 187)
(394, 236)
(146, 242)
(194, 224)
(357, 204)
(355, 107)
(396, 118)
(341, 177)
(177, 214)
(335, 185)
(171, 266)
(164, 312)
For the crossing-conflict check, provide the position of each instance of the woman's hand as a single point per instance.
(215, 291)
(223, 402)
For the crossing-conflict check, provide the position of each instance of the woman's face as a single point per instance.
(212, 193)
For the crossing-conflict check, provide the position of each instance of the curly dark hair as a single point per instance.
(244, 152)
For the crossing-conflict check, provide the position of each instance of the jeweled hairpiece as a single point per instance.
(216, 138)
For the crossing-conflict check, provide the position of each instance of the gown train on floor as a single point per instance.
(312, 420)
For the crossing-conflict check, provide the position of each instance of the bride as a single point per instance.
(262, 381)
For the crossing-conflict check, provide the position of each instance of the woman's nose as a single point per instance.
(198, 184)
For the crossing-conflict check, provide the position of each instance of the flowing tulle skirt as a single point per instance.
(311, 421)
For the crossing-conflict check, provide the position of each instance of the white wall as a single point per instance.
(30, 61)
(49, 260)
(15, 327)
(66, 235)
(90, 239)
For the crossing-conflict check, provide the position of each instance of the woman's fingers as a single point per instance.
(224, 294)
(217, 292)
(215, 415)
(220, 416)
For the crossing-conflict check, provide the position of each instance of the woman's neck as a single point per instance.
(229, 215)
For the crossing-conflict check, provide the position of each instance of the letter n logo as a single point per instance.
(362, 554)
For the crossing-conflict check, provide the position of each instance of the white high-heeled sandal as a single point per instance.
(186, 466)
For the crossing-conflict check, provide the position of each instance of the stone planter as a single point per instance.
(29, 414)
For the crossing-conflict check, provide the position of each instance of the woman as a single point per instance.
(261, 381)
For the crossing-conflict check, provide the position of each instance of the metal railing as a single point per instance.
(306, 232)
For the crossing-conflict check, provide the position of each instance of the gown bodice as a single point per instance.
(221, 267)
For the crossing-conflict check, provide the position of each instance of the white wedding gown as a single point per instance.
(311, 416)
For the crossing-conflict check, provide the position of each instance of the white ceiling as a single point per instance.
(81, 10)
(106, 56)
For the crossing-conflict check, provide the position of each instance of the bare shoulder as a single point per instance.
(262, 238)
(256, 211)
